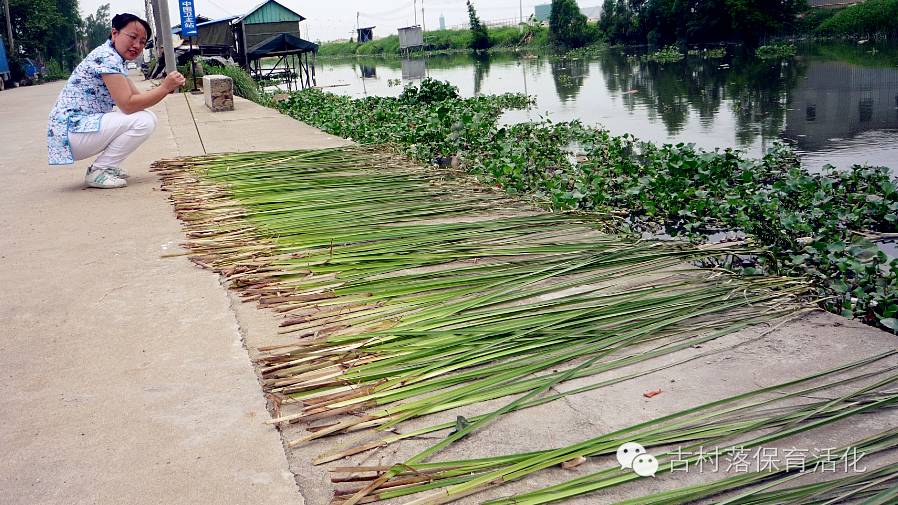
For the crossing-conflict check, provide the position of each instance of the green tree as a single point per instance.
(751, 20)
(607, 17)
(480, 39)
(45, 29)
(659, 22)
(662, 22)
(708, 21)
(619, 22)
(567, 25)
(97, 26)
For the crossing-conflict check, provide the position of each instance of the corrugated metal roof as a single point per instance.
(270, 11)
(216, 21)
(177, 28)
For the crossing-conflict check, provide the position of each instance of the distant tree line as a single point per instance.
(661, 22)
(653, 22)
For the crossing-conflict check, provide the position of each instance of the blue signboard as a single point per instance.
(188, 18)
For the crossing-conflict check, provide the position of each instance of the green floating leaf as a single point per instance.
(890, 323)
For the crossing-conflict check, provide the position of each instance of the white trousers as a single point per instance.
(119, 135)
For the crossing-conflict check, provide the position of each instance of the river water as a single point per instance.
(834, 102)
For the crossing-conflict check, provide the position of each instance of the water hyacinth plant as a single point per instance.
(776, 51)
(669, 54)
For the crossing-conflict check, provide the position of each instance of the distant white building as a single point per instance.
(592, 13)
(442, 22)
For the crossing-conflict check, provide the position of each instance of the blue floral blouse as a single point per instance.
(83, 101)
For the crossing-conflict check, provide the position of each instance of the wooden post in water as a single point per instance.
(308, 76)
(293, 74)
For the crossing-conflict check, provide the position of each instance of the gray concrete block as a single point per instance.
(218, 91)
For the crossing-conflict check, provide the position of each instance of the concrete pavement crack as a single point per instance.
(583, 415)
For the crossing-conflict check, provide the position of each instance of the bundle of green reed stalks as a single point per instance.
(408, 291)
(748, 420)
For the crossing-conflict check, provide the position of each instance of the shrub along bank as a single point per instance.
(866, 19)
(811, 224)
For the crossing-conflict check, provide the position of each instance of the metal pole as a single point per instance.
(12, 44)
(193, 64)
(148, 12)
(423, 24)
(415, 10)
(151, 19)
(167, 44)
(154, 4)
(245, 52)
(521, 11)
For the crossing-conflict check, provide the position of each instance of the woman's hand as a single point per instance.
(129, 100)
(173, 81)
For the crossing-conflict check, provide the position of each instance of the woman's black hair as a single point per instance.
(120, 21)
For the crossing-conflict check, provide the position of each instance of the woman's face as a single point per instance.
(130, 40)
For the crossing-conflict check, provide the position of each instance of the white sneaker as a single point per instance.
(118, 172)
(103, 179)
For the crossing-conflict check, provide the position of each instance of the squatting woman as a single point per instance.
(84, 123)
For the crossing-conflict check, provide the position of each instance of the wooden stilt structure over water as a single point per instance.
(292, 64)
(271, 30)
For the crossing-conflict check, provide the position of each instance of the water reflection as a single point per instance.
(839, 100)
(481, 69)
(413, 69)
(661, 90)
(760, 90)
(569, 76)
(698, 87)
(837, 103)
(368, 71)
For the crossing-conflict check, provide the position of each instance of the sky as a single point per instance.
(336, 19)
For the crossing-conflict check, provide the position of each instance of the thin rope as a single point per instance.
(194, 123)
